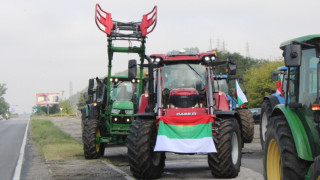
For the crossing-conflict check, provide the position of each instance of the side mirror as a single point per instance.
(274, 75)
(231, 65)
(292, 55)
(132, 68)
(90, 87)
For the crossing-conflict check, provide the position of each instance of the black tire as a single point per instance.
(315, 175)
(226, 162)
(247, 125)
(91, 149)
(266, 111)
(280, 153)
(144, 162)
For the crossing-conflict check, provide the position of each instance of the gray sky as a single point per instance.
(45, 44)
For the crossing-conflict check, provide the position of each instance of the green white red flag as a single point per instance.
(241, 97)
(279, 87)
(185, 134)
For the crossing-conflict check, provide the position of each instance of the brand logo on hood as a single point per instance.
(186, 113)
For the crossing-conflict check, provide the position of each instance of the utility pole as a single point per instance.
(210, 45)
(223, 46)
(70, 89)
(247, 50)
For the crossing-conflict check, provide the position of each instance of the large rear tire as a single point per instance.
(144, 162)
(280, 155)
(247, 124)
(266, 111)
(92, 150)
(226, 162)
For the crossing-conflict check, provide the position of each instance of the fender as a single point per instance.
(146, 115)
(300, 136)
(221, 101)
(229, 114)
(143, 103)
(84, 112)
(274, 100)
(88, 111)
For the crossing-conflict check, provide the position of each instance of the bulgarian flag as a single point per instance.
(240, 95)
(279, 87)
(185, 134)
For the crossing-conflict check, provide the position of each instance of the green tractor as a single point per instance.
(113, 100)
(292, 138)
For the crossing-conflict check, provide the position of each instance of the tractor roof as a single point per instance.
(282, 68)
(183, 58)
(220, 76)
(308, 39)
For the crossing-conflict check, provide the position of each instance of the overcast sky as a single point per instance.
(46, 44)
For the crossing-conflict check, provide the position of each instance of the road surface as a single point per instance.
(178, 166)
(11, 136)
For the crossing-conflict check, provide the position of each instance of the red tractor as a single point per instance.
(182, 112)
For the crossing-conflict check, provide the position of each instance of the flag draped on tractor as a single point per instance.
(185, 134)
(240, 95)
(279, 87)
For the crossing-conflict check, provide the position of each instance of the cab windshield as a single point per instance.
(123, 91)
(184, 76)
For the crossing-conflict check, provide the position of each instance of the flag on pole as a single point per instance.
(241, 97)
(185, 134)
(279, 87)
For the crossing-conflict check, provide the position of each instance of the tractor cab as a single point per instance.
(185, 83)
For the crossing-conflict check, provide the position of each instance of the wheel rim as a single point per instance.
(97, 135)
(273, 161)
(235, 148)
(264, 122)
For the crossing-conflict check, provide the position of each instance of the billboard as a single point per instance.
(47, 98)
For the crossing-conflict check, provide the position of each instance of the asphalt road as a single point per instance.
(11, 136)
(196, 166)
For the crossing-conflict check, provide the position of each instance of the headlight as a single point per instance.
(212, 58)
(207, 58)
(128, 111)
(115, 111)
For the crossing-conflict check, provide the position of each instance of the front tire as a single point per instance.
(247, 124)
(266, 111)
(280, 155)
(92, 150)
(226, 162)
(144, 162)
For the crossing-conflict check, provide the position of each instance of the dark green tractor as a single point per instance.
(292, 138)
(113, 100)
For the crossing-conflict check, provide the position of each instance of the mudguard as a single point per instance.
(274, 100)
(229, 114)
(88, 111)
(300, 137)
(146, 115)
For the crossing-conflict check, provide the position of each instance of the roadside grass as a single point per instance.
(53, 143)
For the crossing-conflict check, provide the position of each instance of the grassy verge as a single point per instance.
(53, 143)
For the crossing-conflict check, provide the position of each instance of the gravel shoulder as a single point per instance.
(78, 168)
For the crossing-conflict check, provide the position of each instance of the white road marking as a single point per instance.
(126, 176)
(17, 171)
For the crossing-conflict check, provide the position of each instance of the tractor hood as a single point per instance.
(184, 97)
(122, 105)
